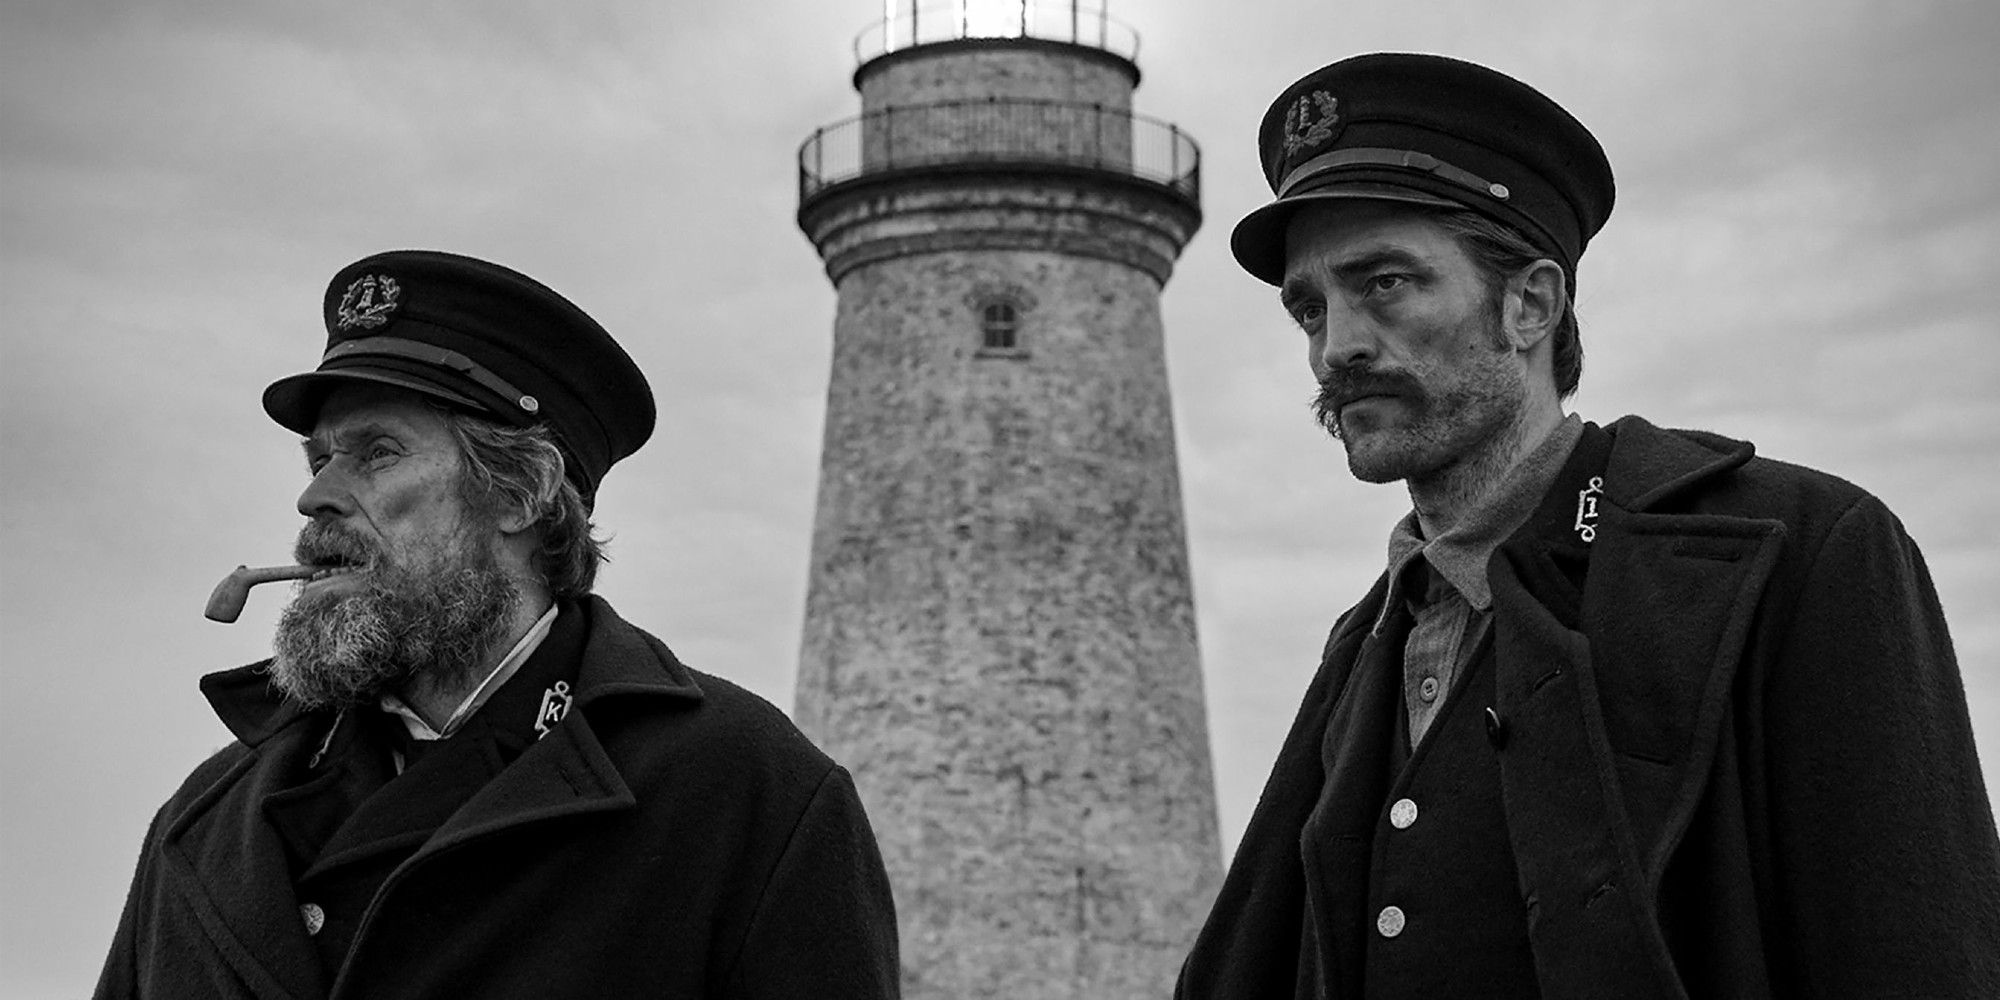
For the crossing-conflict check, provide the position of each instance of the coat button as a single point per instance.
(1427, 689)
(315, 917)
(1389, 922)
(1496, 729)
(1402, 814)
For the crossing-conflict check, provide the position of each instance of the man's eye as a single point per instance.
(1308, 315)
(1386, 282)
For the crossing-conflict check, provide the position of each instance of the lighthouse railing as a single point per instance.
(1001, 132)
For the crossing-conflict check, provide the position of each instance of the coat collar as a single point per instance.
(231, 870)
(569, 771)
(622, 661)
(1650, 467)
(1630, 679)
(246, 702)
(618, 660)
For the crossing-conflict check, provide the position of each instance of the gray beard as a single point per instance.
(352, 648)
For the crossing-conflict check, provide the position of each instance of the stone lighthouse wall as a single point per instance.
(999, 638)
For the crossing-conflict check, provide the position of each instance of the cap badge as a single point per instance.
(1314, 119)
(368, 302)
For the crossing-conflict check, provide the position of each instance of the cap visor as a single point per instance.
(294, 401)
(1258, 242)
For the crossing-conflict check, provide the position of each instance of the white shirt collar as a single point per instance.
(421, 730)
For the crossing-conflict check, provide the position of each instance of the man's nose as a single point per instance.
(327, 494)
(1348, 342)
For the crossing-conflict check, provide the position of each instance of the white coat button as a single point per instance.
(1402, 814)
(1428, 689)
(315, 917)
(1390, 921)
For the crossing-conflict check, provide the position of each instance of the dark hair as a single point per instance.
(1500, 250)
(520, 470)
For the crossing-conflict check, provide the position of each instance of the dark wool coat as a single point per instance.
(673, 836)
(1748, 770)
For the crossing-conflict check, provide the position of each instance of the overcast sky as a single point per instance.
(1805, 253)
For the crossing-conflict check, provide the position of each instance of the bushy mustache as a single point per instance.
(1342, 385)
(438, 618)
(330, 542)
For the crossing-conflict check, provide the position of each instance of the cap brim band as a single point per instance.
(1258, 242)
(294, 401)
(400, 351)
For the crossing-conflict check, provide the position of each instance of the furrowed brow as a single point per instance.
(347, 436)
(1375, 260)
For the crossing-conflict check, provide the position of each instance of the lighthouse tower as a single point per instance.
(999, 635)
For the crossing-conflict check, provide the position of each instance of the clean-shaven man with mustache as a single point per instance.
(1631, 713)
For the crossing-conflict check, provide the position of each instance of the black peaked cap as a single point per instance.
(1427, 130)
(481, 338)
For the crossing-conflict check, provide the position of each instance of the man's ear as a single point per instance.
(514, 520)
(1536, 297)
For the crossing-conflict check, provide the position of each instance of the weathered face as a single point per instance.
(1403, 335)
(412, 583)
(385, 472)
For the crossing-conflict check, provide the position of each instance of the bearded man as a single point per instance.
(1631, 712)
(462, 774)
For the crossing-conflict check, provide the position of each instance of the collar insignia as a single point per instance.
(1586, 509)
(368, 302)
(1314, 119)
(555, 705)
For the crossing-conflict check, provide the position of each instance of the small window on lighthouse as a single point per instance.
(998, 325)
(998, 310)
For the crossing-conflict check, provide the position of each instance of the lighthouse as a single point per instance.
(999, 636)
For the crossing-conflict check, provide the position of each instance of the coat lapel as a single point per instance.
(1262, 936)
(1669, 624)
(229, 868)
(408, 810)
(1338, 839)
(1638, 692)
(567, 772)
(228, 865)
(1669, 607)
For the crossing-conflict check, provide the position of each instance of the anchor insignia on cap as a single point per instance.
(555, 705)
(368, 302)
(1586, 509)
(1313, 119)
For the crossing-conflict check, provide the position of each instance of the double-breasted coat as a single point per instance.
(1737, 764)
(671, 836)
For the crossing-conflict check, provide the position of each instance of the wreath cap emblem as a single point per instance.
(1313, 119)
(368, 302)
